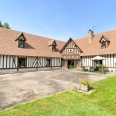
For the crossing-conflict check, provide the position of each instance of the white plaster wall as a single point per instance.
(104, 61)
(4, 61)
(56, 61)
(83, 61)
(87, 61)
(109, 61)
(114, 58)
(42, 60)
(7, 61)
(27, 61)
(53, 61)
(16, 60)
(112, 64)
(1, 60)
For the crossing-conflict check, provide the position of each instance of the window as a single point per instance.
(22, 62)
(54, 48)
(48, 62)
(104, 41)
(21, 42)
(70, 50)
(103, 46)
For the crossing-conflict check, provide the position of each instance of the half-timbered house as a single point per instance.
(21, 51)
(79, 53)
(102, 44)
(26, 52)
(71, 54)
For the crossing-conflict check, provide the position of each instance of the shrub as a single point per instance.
(85, 81)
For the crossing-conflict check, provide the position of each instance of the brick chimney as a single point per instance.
(90, 35)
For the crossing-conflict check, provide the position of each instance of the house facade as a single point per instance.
(21, 51)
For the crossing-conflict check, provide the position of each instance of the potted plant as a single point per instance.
(102, 66)
(84, 85)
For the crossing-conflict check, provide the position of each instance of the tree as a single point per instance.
(1, 24)
(5, 25)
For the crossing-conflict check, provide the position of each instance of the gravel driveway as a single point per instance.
(23, 87)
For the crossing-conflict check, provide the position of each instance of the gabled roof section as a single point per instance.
(21, 34)
(35, 45)
(52, 42)
(70, 40)
(106, 39)
(94, 48)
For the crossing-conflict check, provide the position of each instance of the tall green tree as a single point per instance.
(6, 25)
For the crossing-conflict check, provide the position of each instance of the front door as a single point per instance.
(96, 64)
(70, 64)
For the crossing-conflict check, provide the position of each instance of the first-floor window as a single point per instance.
(47, 62)
(22, 62)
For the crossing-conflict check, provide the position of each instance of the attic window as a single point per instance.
(52, 44)
(21, 42)
(53, 48)
(70, 50)
(104, 42)
(103, 46)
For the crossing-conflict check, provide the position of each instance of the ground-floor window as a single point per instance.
(22, 62)
(48, 62)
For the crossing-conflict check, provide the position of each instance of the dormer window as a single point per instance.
(52, 44)
(103, 45)
(104, 42)
(21, 41)
(54, 48)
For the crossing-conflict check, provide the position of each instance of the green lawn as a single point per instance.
(102, 102)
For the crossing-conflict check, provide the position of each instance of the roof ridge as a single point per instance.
(30, 34)
(96, 34)
(105, 31)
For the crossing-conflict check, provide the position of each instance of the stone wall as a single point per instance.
(9, 71)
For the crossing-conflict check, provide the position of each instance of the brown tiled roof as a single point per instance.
(38, 46)
(20, 35)
(51, 42)
(35, 45)
(94, 47)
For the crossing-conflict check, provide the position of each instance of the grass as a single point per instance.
(102, 102)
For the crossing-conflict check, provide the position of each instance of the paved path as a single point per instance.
(23, 87)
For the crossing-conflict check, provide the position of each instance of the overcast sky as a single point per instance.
(59, 19)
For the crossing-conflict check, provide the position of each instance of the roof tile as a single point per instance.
(35, 45)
